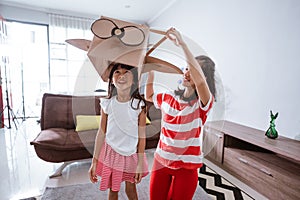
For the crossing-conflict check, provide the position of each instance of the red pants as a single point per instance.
(174, 184)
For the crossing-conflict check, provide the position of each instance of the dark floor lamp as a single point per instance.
(23, 117)
(10, 113)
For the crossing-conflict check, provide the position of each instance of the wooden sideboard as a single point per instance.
(269, 166)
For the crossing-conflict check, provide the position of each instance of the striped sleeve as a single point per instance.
(158, 99)
(204, 110)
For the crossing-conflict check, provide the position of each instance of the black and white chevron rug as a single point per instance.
(218, 187)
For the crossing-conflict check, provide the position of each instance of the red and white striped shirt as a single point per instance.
(180, 144)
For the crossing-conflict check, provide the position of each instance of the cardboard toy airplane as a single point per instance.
(117, 41)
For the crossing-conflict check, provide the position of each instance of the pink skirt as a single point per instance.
(115, 168)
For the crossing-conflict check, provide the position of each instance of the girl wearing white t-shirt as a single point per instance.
(120, 142)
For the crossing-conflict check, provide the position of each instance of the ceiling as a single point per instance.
(142, 11)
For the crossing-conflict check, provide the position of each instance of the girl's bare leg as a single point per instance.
(131, 191)
(113, 195)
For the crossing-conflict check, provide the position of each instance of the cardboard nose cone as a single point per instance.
(82, 44)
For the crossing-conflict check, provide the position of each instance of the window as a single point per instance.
(25, 73)
(71, 71)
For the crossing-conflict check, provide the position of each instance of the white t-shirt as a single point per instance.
(122, 124)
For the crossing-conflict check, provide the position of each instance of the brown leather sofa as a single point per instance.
(58, 140)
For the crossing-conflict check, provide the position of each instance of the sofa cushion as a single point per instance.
(87, 122)
(59, 111)
(148, 121)
(65, 139)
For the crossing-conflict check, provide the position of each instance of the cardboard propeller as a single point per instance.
(117, 41)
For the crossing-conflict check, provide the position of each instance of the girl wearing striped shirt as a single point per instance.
(120, 142)
(178, 155)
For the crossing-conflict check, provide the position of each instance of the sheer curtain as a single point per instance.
(70, 69)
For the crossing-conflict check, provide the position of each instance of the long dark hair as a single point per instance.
(134, 91)
(208, 68)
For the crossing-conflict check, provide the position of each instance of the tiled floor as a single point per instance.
(22, 174)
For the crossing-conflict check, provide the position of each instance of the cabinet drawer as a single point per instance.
(267, 173)
(213, 142)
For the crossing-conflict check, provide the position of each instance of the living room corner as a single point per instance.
(46, 69)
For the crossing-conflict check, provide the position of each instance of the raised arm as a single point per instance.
(196, 72)
(149, 87)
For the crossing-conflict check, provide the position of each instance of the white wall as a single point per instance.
(256, 46)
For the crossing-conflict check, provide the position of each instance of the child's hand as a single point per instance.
(138, 174)
(138, 177)
(92, 174)
(174, 36)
